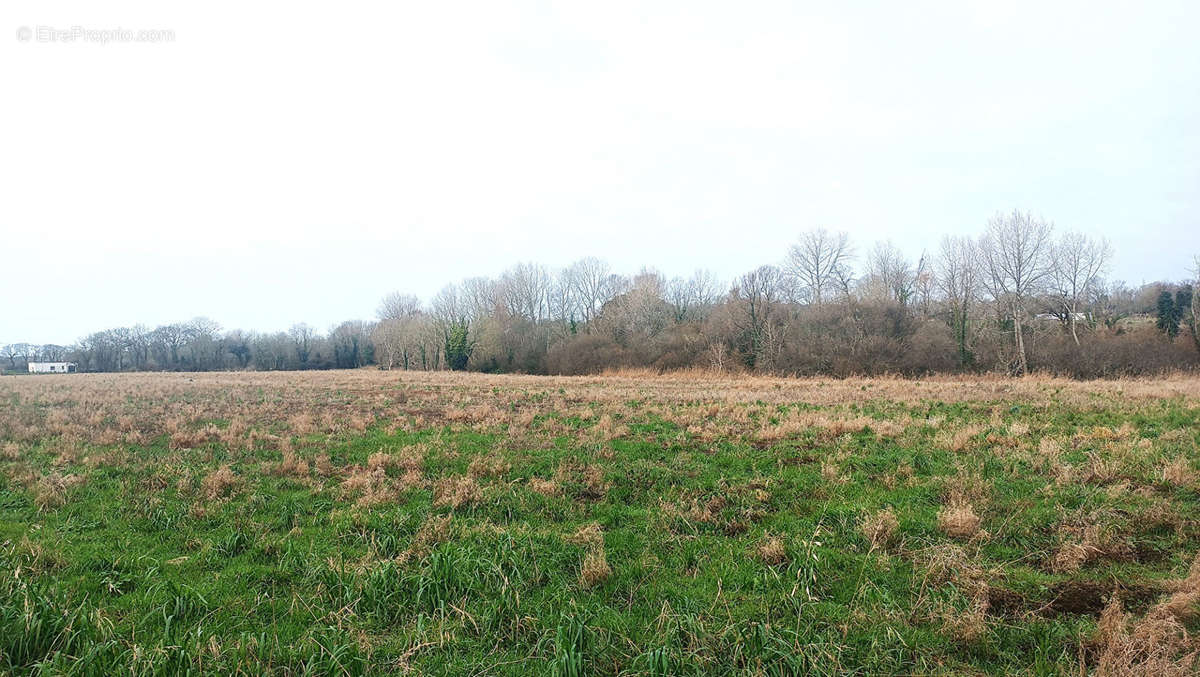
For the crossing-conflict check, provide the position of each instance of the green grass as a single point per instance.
(137, 571)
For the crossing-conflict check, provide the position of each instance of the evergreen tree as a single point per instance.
(1168, 318)
(458, 346)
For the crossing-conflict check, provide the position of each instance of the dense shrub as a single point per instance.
(1110, 354)
(584, 354)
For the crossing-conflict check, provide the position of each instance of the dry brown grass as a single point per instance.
(456, 492)
(959, 520)
(881, 529)
(1184, 602)
(489, 465)
(51, 490)
(114, 409)
(220, 483)
(771, 550)
(1088, 536)
(372, 486)
(590, 535)
(11, 451)
(586, 480)
(1178, 472)
(291, 466)
(1157, 644)
(595, 569)
(967, 625)
(545, 487)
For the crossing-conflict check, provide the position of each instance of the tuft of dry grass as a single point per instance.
(545, 487)
(1157, 644)
(590, 535)
(959, 520)
(490, 465)
(831, 472)
(323, 465)
(607, 429)
(51, 490)
(595, 569)
(959, 439)
(1086, 537)
(219, 483)
(585, 480)
(291, 466)
(881, 529)
(771, 550)
(11, 451)
(1178, 472)
(434, 529)
(457, 491)
(968, 625)
(1050, 447)
(1184, 602)
(372, 486)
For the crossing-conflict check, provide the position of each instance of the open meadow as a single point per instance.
(378, 522)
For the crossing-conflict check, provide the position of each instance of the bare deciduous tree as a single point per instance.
(480, 296)
(564, 301)
(349, 341)
(1075, 272)
(302, 336)
(890, 276)
(1015, 252)
(1196, 301)
(757, 293)
(819, 261)
(525, 289)
(14, 352)
(594, 285)
(396, 305)
(640, 313)
(402, 341)
(957, 278)
(692, 297)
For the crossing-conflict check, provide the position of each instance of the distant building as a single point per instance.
(51, 367)
(1051, 317)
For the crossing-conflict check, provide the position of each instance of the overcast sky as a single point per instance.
(278, 162)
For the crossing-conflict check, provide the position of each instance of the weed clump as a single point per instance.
(488, 466)
(291, 466)
(590, 535)
(51, 490)
(582, 480)
(545, 487)
(1156, 644)
(959, 520)
(455, 492)
(219, 483)
(1178, 472)
(881, 529)
(595, 569)
(771, 550)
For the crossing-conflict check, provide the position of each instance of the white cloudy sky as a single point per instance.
(281, 161)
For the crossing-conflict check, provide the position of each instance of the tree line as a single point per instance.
(1015, 299)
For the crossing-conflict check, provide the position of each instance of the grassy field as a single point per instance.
(386, 522)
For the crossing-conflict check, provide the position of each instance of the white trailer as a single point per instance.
(51, 367)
